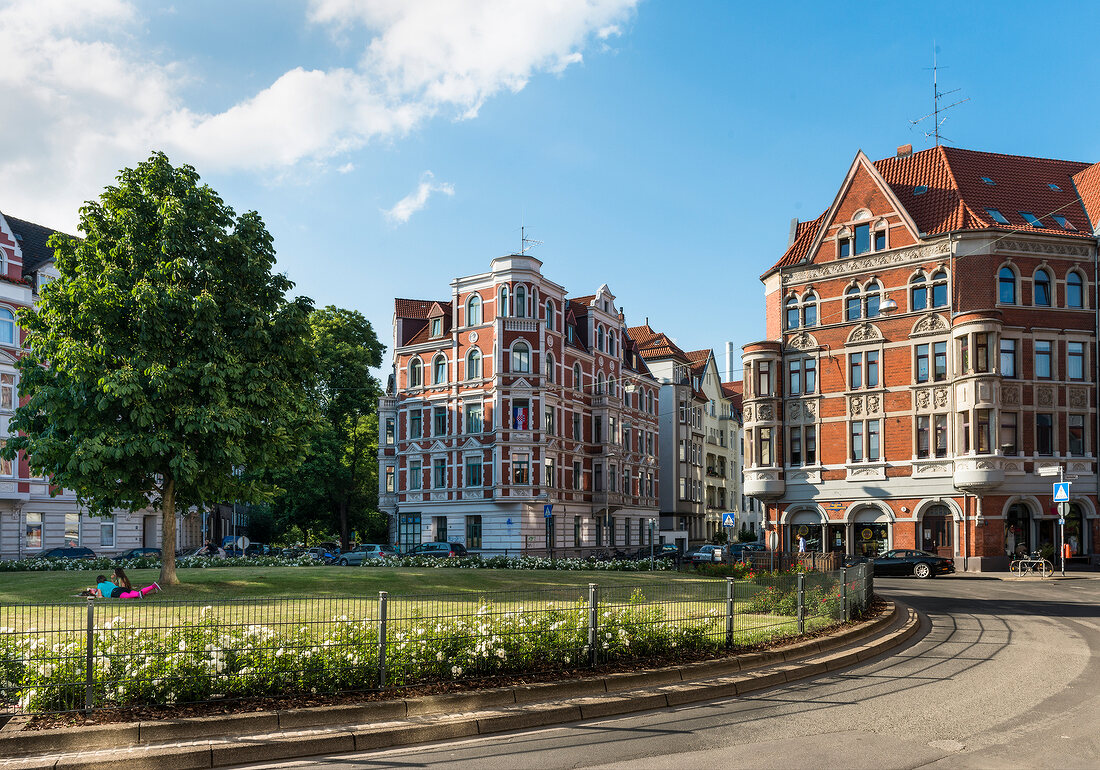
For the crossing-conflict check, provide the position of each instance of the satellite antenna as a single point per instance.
(525, 243)
(937, 109)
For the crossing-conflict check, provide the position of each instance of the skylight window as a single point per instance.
(920, 189)
(988, 181)
(1062, 222)
(1054, 187)
(998, 217)
(1031, 219)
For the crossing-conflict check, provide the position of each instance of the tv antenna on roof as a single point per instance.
(525, 243)
(937, 109)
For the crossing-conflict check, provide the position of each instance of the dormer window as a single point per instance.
(1062, 222)
(1031, 219)
(998, 217)
(437, 327)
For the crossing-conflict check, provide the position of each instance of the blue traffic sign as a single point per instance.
(548, 510)
(1061, 492)
(727, 520)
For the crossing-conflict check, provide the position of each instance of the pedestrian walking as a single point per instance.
(801, 544)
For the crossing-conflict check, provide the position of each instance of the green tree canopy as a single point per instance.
(336, 486)
(167, 357)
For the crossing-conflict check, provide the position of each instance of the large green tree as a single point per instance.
(167, 358)
(336, 487)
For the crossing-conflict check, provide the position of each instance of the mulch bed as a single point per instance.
(251, 705)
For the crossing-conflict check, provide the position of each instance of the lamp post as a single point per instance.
(1063, 509)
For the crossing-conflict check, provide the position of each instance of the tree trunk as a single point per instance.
(168, 536)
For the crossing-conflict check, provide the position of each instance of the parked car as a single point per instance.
(736, 550)
(365, 553)
(66, 553)
(707, 554)
(438, 550)
(137, 553)
(257, 549)
(906, 562)
(321, 553)
(660, 551)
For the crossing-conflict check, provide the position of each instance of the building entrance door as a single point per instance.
(936, 532)
(836, 542)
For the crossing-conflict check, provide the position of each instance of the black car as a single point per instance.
(438, 550)
(662, 551)
(137, 553)
(906, 562)
(66, 553)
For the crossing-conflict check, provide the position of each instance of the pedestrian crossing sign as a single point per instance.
(1061, 492)
(727, 520)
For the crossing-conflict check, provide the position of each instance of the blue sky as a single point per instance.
(661, 147)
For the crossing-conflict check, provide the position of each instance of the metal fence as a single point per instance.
(78, 657)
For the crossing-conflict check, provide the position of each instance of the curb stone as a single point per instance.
(207, 742)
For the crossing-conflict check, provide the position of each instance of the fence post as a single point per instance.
(383, 602)
(593, 619)
(844, 593)
(89, 666)
(729, 611)
(801, 603)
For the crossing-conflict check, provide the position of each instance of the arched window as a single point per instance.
(1006, 282)
(577, 377)
(549, 315)
(521, 301)
(504, 309)
(918, 292)
(872, 300)
(611, 341)
(852, 304)
(7, 327)
(439, 369)
(473, 310)
(611, 387)
(473, 364)
(792, 313)
(549, 367)
(809, 310)
(599, 383)
(1042, 288)
(521, 358)
(416, 373)
(1075, 290)
(939, 289)
(599, 338)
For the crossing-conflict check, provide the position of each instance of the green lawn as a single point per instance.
(219, 583)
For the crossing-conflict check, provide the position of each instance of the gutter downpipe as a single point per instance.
(966, 542)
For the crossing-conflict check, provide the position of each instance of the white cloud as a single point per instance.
(82, 97)
(417, 199)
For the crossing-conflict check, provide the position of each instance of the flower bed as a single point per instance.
(104, 564)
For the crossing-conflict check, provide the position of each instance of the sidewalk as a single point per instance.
(227, 740)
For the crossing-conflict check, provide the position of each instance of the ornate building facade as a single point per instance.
(518, 418)
(931, 347)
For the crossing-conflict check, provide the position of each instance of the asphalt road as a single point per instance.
(1008, 675)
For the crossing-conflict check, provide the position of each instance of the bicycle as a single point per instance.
(1030, 565)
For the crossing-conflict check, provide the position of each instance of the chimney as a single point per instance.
(729, 362)
(905, 151)
(794, 231)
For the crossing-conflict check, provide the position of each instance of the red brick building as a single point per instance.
(931, 346)
(510, 397)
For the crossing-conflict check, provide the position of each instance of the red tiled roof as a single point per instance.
(412, 308)
(1088, 187)
(734, 392)
(642, 335)
(958, 199)
(698, 359)
(796, 252)
(585, 301)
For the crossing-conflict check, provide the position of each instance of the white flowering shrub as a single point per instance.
(204, 660)
(522, 562)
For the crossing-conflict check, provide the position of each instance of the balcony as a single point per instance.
(520, 325)
(978, 474)
(764, 483)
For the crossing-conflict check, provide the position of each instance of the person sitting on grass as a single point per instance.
(105, 589)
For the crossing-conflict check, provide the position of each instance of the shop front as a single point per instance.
(810, 526)
(871, 532)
